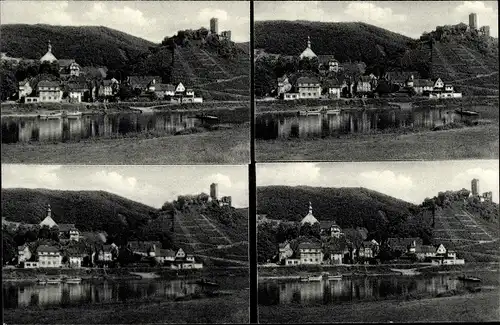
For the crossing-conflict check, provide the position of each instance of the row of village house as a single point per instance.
(312, 87)
(47, 256)
(53, 91)
(74, 83)
(333, 84)
(312, 251)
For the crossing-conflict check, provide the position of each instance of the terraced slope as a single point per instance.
(207, 236)
(209, 73)
(466, 68)
(466, 232)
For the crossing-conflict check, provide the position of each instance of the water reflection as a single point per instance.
(23, 295)
(293, 125)
(352, 289)
(43, 129)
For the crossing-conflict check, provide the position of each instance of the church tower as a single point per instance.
(309, 218)
(308, 52)
(48, 56)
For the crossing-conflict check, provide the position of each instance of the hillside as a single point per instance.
(216, 69)
(346, 41)
(88, 210)
(199, 228)
(382, 215)
(88, 45)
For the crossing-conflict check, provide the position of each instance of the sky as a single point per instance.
(151, 20)
(409, 181)
(410, 18)
(150, 185)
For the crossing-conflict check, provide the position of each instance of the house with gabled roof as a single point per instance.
(308, 87)
(48, 256)
(49, 91)
(310, 252)
(333, 87)
(144, 248)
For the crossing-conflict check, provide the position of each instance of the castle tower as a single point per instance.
(475, 187)
(214, 26)
(214, 191)
(473, 21)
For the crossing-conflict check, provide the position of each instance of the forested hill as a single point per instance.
(88, 45)
(346, 41)
(88, 210)
(381, 214)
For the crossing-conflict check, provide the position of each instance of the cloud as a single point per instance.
(288, 174)
(36, 12)
(123, 18)
(388, 182)
(488, 180)
(206, 14)
(290, 10)
(371, 13)
(30, 176)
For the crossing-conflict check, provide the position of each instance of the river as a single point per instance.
(355, 289)
(62, 129)
(21, 295)
(293, 125)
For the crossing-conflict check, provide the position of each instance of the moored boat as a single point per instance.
(333, 111)
(42, 281)
(204, 282)
(306, 113)
(466, 113)
(206, 117)
(74, 280)
(315, 278)
(53, 281)
(469, 278)
(335, 277)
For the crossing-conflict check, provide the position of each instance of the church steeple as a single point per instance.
(49, 210)
(310, 208)
(308, 42)
(49, 47)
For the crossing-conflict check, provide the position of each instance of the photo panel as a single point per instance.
(109, 244)
(378, 242)
(126, 82)
(378, 80)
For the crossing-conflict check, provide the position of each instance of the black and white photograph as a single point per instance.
(125, 244)
(376, 80)
(378, 242)
(125, 82)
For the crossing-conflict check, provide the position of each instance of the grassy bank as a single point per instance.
(477, 142)
(220, 309)
(215, 147)
(470, 307)
(263, 107)
(354, 270)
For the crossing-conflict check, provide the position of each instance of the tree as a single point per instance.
(125, 92)
(266, 248)
(8, 81)
(9, 248)
(308, 230)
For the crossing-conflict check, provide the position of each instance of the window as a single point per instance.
(43, 97)
(50, 97)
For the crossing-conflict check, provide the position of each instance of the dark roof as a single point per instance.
(63, 63)
(332, 83)
(47, 83)
(307, 244)
(164, 252)
(422, 83)
(425, 249)
(325, 58)
(47, 248)
(77, 87)
(365, 78)
(64, 227)
(164, 87)
(143, 245)
(143, 81)
(327, 224)
(307, 80)
(404, 242)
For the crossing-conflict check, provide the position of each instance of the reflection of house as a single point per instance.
(310, 253)
(48, 256)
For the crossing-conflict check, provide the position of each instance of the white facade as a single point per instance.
(49, 259)
(180, 88)
(75, 96)
(334, 92)
(290, 96)
(75, 261)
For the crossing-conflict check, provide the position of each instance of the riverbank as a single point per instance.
(357, 103)
(476, 142)
(229, 146)
(469, 307)
(292, 272)
(223, 308)
(123, 273)
(17, 109)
